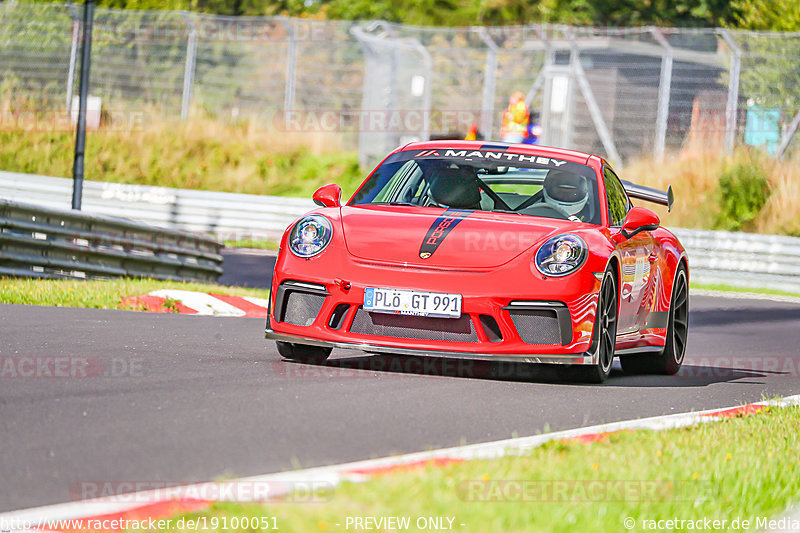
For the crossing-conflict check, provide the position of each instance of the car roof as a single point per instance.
(496, 146)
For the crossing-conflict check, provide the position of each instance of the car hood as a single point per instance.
(466, 239)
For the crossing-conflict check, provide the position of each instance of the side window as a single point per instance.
(394, 189)
(618, 203)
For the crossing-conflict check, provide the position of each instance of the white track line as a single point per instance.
(280, 484)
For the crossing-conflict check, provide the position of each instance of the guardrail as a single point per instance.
(742, 259)
(226, 215)
(51, 243)
(739, 259)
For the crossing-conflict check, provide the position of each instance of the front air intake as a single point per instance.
(537, 327)
(539, 322)
(301, 308)
(299, 303)
(414, 327)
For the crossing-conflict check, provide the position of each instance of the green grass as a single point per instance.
(255, 244)
(199, 154)
(748, 290)
(746, 467)
(105, 294)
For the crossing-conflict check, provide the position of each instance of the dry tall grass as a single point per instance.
(695, 181)
(201, 153)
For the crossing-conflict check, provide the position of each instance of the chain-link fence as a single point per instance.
(622, 93)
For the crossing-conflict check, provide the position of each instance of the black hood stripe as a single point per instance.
(440, 229)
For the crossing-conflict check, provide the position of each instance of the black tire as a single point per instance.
(303, 353)
(669, 361)
(605, 328)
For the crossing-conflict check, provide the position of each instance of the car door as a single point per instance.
(637, 257)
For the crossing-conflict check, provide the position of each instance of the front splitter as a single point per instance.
(584, 358)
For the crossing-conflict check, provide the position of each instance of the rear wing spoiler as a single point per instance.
(649, 194)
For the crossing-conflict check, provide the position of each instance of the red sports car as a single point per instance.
(505, 252)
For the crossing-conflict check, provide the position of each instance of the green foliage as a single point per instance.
(742, 192)
(658, 12)
(773, 15)
(417, 12)
(503, 12)
(471, 12)
(769, 72)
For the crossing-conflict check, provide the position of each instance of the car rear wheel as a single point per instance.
(303, 353)
(670, 359)
(605, 329)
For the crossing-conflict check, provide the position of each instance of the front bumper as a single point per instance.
(585, 358)
(508, 313)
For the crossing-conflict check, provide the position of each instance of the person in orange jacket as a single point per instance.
(472, 134)
(514, 124)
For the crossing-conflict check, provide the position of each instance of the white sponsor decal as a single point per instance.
(502, 156)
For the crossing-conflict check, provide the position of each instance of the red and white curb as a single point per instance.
(199, 303)
(167, 502)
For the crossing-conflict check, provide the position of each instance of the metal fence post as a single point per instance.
(189, 68)
(80, 134)
(427, 97)
(291, 69)
(73, 56)
(733, 90)
(664, 90)
(547, 96)
(539, 82)
(591, 102)
(787, 136)
(489, 83)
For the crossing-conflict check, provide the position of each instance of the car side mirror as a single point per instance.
(639, 219)
(328, 196)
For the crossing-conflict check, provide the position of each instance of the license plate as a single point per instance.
(395, 301)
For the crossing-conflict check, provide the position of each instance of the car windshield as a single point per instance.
(485, 180)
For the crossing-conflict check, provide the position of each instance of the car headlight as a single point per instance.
(310, 236)
(561, 255)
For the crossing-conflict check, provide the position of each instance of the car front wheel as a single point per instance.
(605, 330)
(303, 353)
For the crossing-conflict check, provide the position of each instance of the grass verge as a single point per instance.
(745, 290)
(201, 153)
(253, 244)
(101, 294)
(744, 468)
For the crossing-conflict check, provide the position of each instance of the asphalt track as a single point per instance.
(171, 399)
